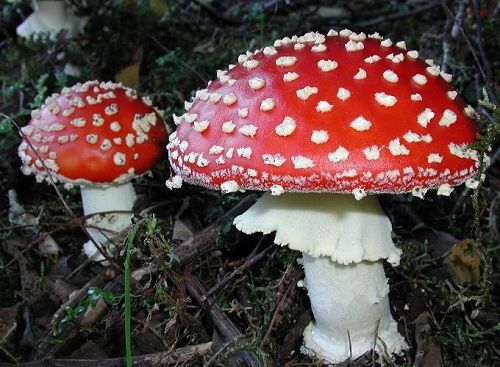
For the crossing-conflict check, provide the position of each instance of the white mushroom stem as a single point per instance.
(350, 305)
(342, 241)
(49, 16)
(105, 202)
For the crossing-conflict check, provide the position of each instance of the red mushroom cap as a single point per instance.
(93, 133)
(341, 113)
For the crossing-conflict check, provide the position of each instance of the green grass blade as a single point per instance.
(128, 312)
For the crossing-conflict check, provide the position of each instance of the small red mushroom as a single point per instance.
(98, 136)
(311, 120)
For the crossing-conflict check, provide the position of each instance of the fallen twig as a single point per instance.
(181, 61)
(250, 260)
(488, 72)
(72, 331)
(177, 356)
(485, 318)
(225, 326)
(280, 304)
(190, 248)
(451, 33)
(392, 17)
(77, 296)
(469, 45)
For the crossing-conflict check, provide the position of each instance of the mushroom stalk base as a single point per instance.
(110, 201)
(351, 310)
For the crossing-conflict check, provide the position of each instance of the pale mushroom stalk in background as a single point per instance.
(322, 124)
(115, 202)
(52, 17)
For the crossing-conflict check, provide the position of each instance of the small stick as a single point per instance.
(172, 357)
(473, 52)
(485, 318)
(451, 33)
(181, 61)
(488, 73)
(279, 308)
(250, 260)
(188, 249)
(409, 13)
(77, 296)
(225, 326)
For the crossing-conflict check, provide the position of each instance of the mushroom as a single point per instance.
(322, 123)
(98, 136)
(50, 16)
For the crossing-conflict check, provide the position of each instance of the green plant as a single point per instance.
(72, 313)
(127, 291)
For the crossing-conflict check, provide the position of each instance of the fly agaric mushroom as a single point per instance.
(319, 122)
(99, 136)
(50, 16)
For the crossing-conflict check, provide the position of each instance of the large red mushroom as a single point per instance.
(98, 135)
(322, 123)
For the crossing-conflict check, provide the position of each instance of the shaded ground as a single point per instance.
(56, 304)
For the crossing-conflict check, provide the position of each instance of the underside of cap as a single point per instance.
(332, 225)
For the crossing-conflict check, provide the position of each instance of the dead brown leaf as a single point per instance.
(130, 75)
(30, 281)
(428, 352)
(464, 263)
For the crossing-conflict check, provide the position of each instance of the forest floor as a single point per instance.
(203, 293)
